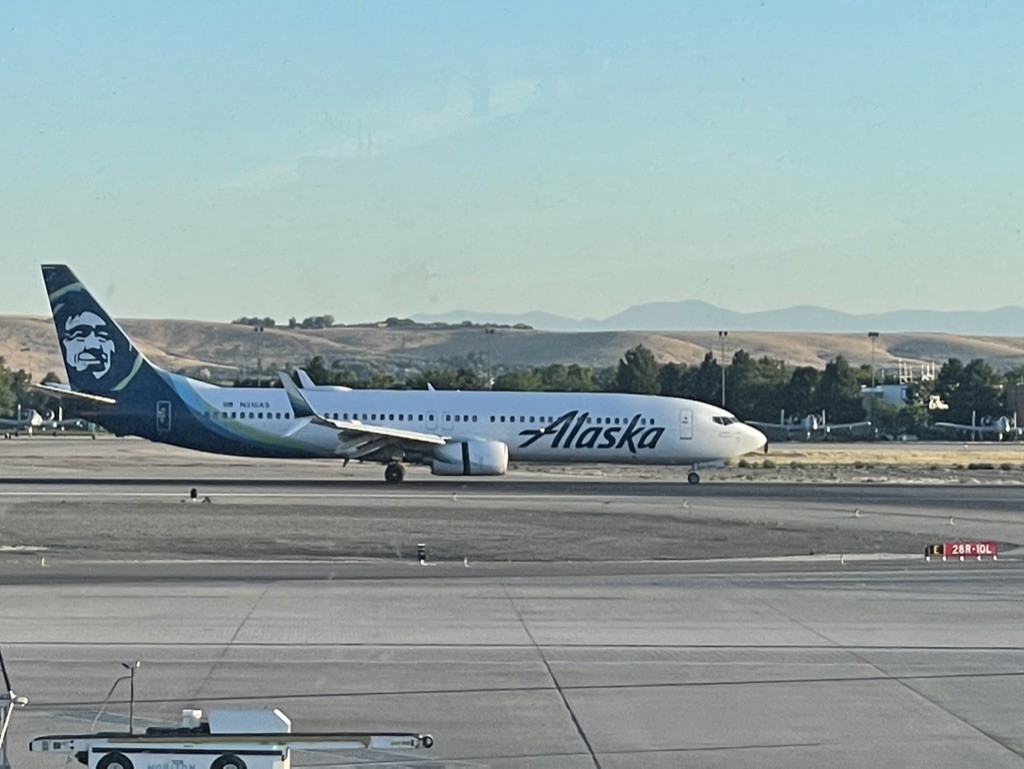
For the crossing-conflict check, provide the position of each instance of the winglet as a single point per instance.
(300, 406)
(304, 381)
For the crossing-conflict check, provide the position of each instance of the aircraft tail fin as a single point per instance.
(99, 357)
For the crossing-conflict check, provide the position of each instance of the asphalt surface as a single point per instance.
(557, 623)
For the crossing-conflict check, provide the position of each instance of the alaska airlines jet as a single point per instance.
(453, 432)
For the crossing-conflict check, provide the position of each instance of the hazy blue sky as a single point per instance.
(207, 160)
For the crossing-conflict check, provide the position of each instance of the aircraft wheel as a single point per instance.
(426, 741)
(228, 761)
(114, 761)
(394, 473)
(693, 478)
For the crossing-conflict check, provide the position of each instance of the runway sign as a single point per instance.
(962, 550)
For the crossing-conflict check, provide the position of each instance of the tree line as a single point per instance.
(16, 388)
(755, 389)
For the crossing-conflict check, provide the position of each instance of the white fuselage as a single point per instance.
(536, 426)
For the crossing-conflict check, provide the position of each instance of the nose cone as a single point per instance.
(752, 439)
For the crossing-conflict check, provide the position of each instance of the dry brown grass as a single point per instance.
(30, 343)
(895, 454)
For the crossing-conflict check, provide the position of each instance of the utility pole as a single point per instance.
(721, 338)
(489, 331)
(258, 330)
(873, 336)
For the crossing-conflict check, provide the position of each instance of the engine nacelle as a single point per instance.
(472, 457)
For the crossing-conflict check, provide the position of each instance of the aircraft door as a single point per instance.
(685, 424)
(163, 416)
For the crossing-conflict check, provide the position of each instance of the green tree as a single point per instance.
(798, 396)
(520, 380)
(638, 372)
(674, 379)
(838, 393)
(969, 390)
(754, 388)
(706, 381)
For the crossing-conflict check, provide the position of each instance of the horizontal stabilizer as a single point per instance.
(62, 391)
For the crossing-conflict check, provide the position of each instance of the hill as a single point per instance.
(223, 350)
(693, 315)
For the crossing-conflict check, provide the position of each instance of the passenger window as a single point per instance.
(391, 417)
(474, 417)
(447, 417)
(251, 415)
(456, 417)
(419, 418)
(492, 418)
(502, 419)
(531, 420)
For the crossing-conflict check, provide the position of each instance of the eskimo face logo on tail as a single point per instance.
(570, 431)
(88, 346)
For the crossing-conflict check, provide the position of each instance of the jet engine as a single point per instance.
(470, 457)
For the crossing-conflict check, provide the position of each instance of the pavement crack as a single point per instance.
(554, 679)
(886, 675)
(231, 641)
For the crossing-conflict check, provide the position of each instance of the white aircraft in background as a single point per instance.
(1000, 429)
(452, 432)
(26, 421)
(808, 427)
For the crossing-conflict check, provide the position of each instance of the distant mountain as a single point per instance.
(693, 315)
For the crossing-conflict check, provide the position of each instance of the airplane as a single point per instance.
(30, 420)
(306, 383)
(1002, 428)
(810, 426)
(452, 432)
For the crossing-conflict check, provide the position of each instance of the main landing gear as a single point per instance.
(394, 472)
(693, 478)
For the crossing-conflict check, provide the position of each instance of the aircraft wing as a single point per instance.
(971, 428)
(63, 391)
(14, 423)
(847, 426)
(355, 430)
(800, 427)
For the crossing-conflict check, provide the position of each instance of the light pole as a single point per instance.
(873, 336)
(721, 339)
(258, 330)
(489, 331)
(131, 692)
(131, 668)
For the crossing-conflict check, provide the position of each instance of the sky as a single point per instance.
(373, 159)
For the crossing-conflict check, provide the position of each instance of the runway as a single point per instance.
(558, 623)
